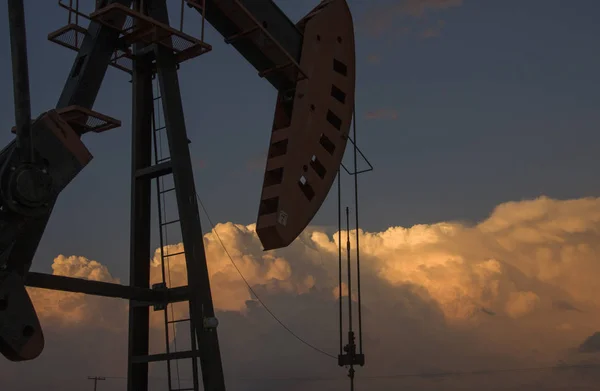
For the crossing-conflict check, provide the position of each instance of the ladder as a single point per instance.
(168, 219)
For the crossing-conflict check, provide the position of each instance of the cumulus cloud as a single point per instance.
(591, 344)
(521, 303)
(515, 290)
(374, 59)
(66, 309)
(420, 7)
(382, 114)
(382, 18)
(433, 30)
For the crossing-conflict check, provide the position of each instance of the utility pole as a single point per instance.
(95, 379)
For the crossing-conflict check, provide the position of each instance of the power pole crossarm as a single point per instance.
(96, 379)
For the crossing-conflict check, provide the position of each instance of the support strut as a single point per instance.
(20, 68)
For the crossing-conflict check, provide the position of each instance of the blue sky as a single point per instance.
(493, 100)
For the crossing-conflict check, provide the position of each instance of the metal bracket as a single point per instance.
(210, 323)
(364, 158)
(161, 287)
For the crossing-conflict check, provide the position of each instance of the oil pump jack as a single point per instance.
(310, 63)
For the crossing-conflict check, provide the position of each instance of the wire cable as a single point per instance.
(407, 375)
(339, 210)
(253, 291)
(360, 340)
(484, 371)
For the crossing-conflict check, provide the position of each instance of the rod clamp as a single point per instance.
(162, 287)
(351, 358)
(210, 323)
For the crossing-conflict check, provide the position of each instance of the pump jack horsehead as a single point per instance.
(311, 127)
(310, 130)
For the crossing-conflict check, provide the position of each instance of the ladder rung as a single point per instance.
(166, 191)
(178, 321)
(165, 356)
(157, 97)
(169, 222)
(241, 34)
(172, 255)
(183, 389)
(154, 171)
(166, 159)
(161, 128)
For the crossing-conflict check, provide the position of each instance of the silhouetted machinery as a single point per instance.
(311, 64)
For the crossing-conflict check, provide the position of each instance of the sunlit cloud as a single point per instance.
(516, 290)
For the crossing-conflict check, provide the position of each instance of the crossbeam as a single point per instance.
(105, 289)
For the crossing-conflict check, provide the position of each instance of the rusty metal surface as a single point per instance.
(140, 28)
(71, 37)
(67, 137)
(83, 120)
(310, 129)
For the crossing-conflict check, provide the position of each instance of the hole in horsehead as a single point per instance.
(327, 144)
(27, 331)
(339, 39)
(305, 168)
(4, 303)
(334, 120)
(274, 177)
(306, 188)
(340, 67)
(338, 94)
(319, 168)
(318, 37)
(312, 107)
(265, 24)
(278, 148)
(268, 206)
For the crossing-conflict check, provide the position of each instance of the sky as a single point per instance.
(480, 220)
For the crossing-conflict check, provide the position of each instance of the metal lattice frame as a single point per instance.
(115, 32)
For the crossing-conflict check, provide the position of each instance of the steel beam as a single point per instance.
(20, 69)
(154, 171)
(278, 24)
(90, 65)
(164, 357)
(140, 255)
(281, 28)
